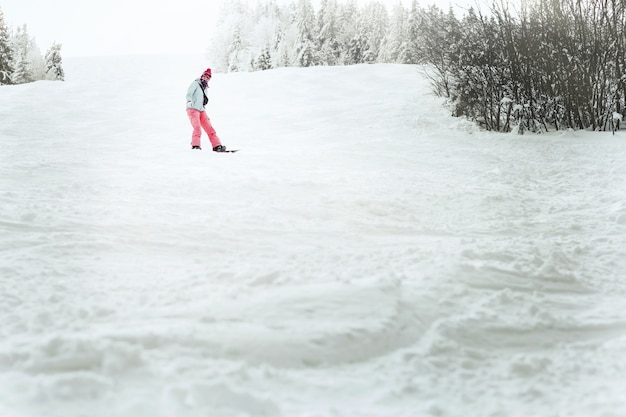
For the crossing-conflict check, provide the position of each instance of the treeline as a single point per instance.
(528, 64)
(280, 34)
(21, 60)
(545, 64)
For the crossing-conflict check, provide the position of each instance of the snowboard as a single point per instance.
(228, 151)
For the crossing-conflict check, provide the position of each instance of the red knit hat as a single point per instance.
(207, 72)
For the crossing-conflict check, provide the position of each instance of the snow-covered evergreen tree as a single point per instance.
(265, 21)
(6, 53)
(394, 41)
(21, 45)
(22, 73)
(328, 33)
(38, 63)
(307, 56)
(54, 64)
(347, 23)
(264, 61)
(356, 50)
(305, 20)
(410, 48)
(374, 25)
(236, 51)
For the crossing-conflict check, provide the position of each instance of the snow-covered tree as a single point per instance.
(287, 39)
(409, 53)
(307, 56)
(264, 61)
(347, 24)
(22, 45)
(374, 24)
(305, 20)
(264, 23)
(6, 53)
(328, 33)
(356, 50)
(236, 51)
(394, 41)
(54, 68)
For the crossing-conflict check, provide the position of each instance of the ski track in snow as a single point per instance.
(363, 255)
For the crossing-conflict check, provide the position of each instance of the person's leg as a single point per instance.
(194, 118)
(208, 128)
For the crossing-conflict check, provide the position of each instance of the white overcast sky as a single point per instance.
(121, 27)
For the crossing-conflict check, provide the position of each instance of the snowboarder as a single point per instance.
(196, 100)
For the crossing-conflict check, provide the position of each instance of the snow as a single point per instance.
(364, 254)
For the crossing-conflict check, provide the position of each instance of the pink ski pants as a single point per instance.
(199, 120)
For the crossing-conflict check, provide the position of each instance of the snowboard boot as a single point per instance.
(196, 147)
(219, 148)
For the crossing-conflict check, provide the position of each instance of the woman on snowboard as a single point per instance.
(196, 100)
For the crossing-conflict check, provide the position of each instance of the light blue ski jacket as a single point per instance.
(195, 97)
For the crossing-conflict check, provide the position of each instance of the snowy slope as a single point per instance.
(363, 255)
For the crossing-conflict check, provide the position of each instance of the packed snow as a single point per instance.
(364, 254)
